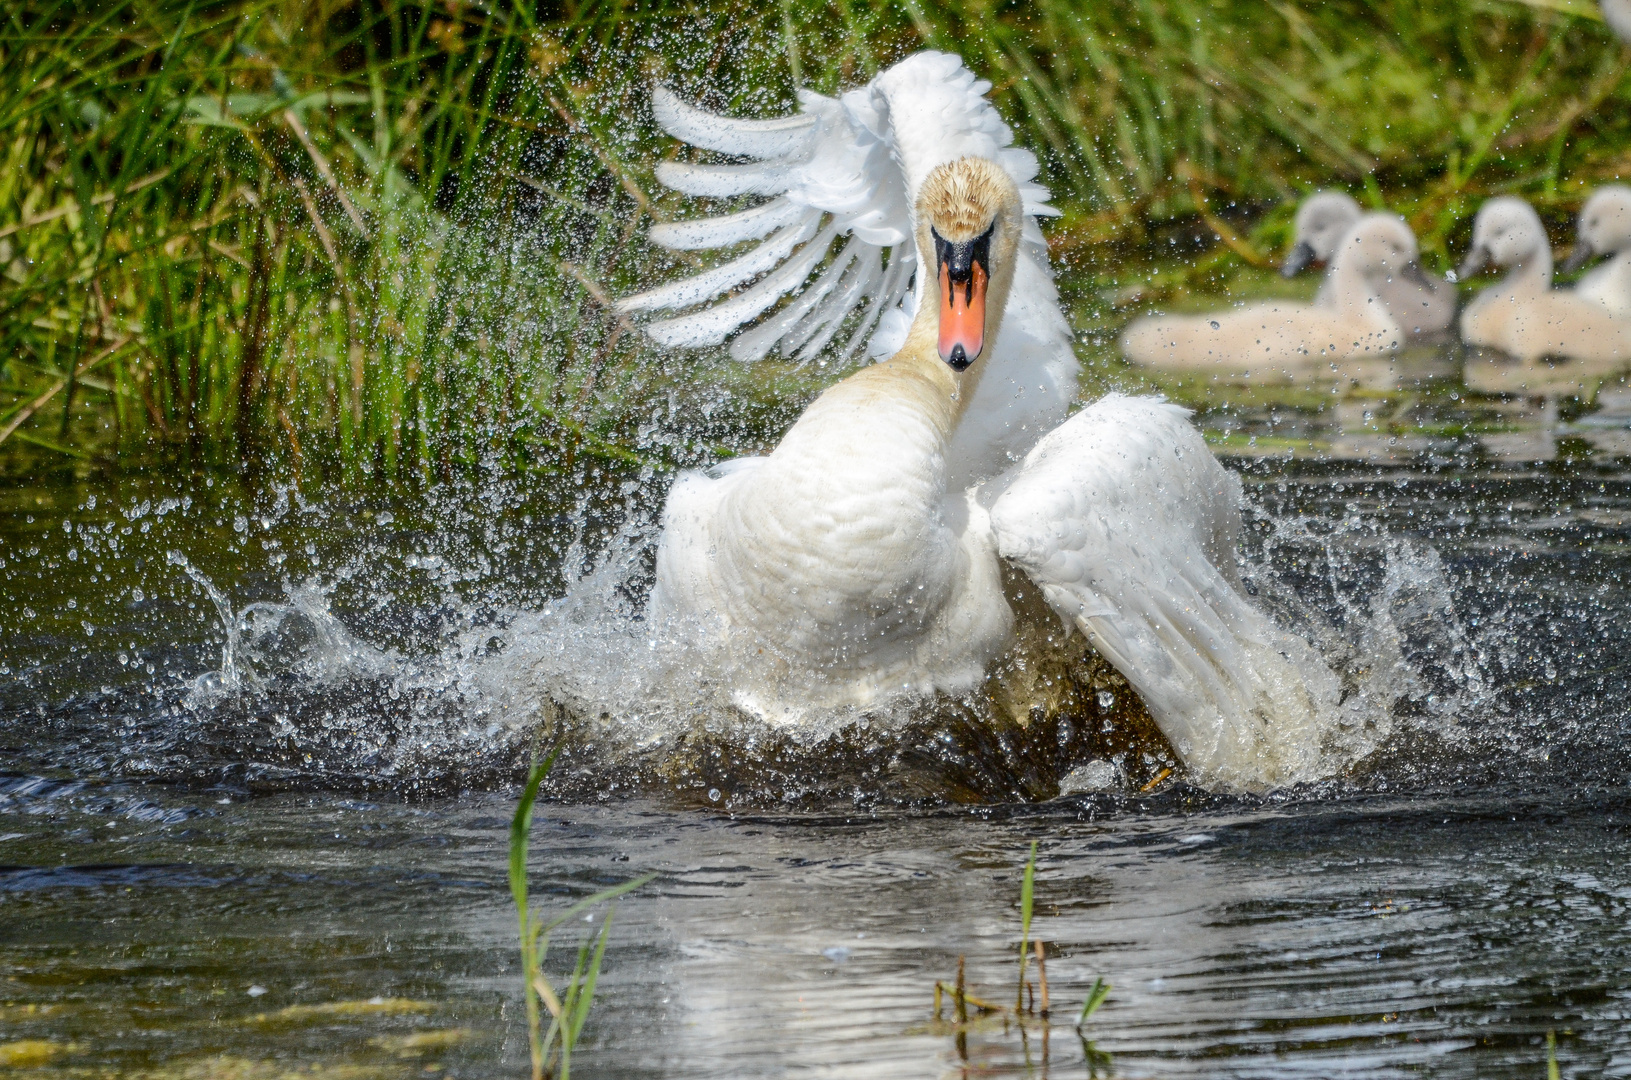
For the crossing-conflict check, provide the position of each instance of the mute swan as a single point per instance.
(1605, 229)
(1523, 315)
(844, 168)
(858, 562)
(1420, 305)
(1284, 337)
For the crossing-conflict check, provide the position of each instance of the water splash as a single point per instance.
(1381, 610)
(265, 641)
(214, 685)
(492, 673)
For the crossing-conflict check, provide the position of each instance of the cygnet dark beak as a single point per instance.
(1413, 271)
(1580, 256)
(1301, 258)
(1476, 260)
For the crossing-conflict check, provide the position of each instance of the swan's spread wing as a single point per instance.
(1128, 523)
(841, 174)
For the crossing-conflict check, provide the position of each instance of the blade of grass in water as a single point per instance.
(569, 1011)
(1027, 892)
(1095, 998)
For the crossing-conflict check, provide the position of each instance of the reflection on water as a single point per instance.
(1426, 405)
(1367, 939)
(307, 876)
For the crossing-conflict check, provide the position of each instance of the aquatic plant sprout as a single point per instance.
(1095, 998)
(551, 1048)
(1027, 893)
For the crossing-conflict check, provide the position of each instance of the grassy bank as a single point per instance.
(377, 238)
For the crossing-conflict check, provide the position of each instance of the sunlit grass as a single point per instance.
(365, 239)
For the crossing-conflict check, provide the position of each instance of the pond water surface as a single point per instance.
(295, 865)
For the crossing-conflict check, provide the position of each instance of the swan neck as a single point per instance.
(919, 377)
(1535, 269)
(1347, 283)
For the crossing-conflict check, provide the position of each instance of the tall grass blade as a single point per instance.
(521, 832)
(1095, 998)
(568, 1011)
(1027, 893)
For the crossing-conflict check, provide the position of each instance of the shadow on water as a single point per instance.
(297, 860)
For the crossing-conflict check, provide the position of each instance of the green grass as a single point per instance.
(1036, 1014)
(1027, 894)
(376, 238)
(568, 1008)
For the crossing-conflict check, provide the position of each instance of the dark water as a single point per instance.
(307, 876)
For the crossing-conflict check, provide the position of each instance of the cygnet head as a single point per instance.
(1506, 232)
(969, 219)
(1323, 220)
(1605, 225)
(1380, 246)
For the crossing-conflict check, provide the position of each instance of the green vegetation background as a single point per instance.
(352, 239)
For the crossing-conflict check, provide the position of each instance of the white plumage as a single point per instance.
(1284, 338)
(861, 559)
(1523, 315)
(854, 163)
(1605, 229)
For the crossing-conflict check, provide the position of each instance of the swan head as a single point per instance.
(1323, 219)
(1381, 246)
(1506, 232)
(969, 219)
(1605, 225)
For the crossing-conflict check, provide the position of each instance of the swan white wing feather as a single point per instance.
(753, 224)
(1128, 523)
(781, 136)
(857, 159)
(847, 169)
(709, 283)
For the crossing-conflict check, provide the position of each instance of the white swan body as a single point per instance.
(852, 565)
(1605, 229)
(1523, 315)
(839, 569)
(1421, 304)
(854, 163)
(1284, 338)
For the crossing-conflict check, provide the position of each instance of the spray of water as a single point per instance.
(582, 666)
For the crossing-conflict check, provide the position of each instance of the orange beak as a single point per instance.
(963, 277)
(962, 317)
